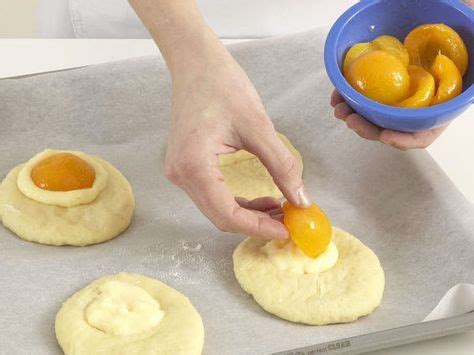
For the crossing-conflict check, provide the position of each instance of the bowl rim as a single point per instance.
(335, 73)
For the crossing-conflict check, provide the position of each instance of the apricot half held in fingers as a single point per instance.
(309, 228)
(380, 76)
(422, 88)
(425, 42)
(448, 78)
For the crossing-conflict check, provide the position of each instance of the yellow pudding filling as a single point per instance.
(286, 256)
(123, 309)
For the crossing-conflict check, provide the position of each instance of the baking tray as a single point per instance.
(398, 203)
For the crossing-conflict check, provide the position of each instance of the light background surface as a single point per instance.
(18, 18)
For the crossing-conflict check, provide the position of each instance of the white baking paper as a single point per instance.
(398, 203)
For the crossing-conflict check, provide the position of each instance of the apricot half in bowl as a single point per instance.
(370, 19)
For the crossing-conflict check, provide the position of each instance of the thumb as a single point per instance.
(284, 168)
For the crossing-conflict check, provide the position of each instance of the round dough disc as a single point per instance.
(350, 289)
(180, 331)
(101, 220)
(246, 176)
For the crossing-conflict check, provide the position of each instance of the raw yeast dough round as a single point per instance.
(77, 217)
(350, 289)
(246, 176)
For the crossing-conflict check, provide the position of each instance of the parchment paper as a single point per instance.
(398, 203)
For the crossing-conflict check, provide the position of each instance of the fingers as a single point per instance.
(215, 200)
(342, 110)
(399, 140)
(404, 140)
(281, 164)
(362, 127)
(336, 98)
(367, 130)
(264, 204)
(204, 183)
(268, 205)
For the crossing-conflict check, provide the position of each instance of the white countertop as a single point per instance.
(453, 151)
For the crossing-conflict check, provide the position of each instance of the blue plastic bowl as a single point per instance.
(369, 19)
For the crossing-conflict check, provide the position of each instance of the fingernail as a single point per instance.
(303, 197)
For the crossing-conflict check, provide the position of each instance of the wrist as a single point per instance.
(186, 42)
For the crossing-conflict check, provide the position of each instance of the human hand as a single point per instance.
(367, 130)
(216, 110)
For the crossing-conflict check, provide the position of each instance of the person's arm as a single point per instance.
(216, 110)
(180, 32)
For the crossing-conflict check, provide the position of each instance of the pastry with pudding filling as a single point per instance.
(129, 314)
(321, 275)
(66, 197)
